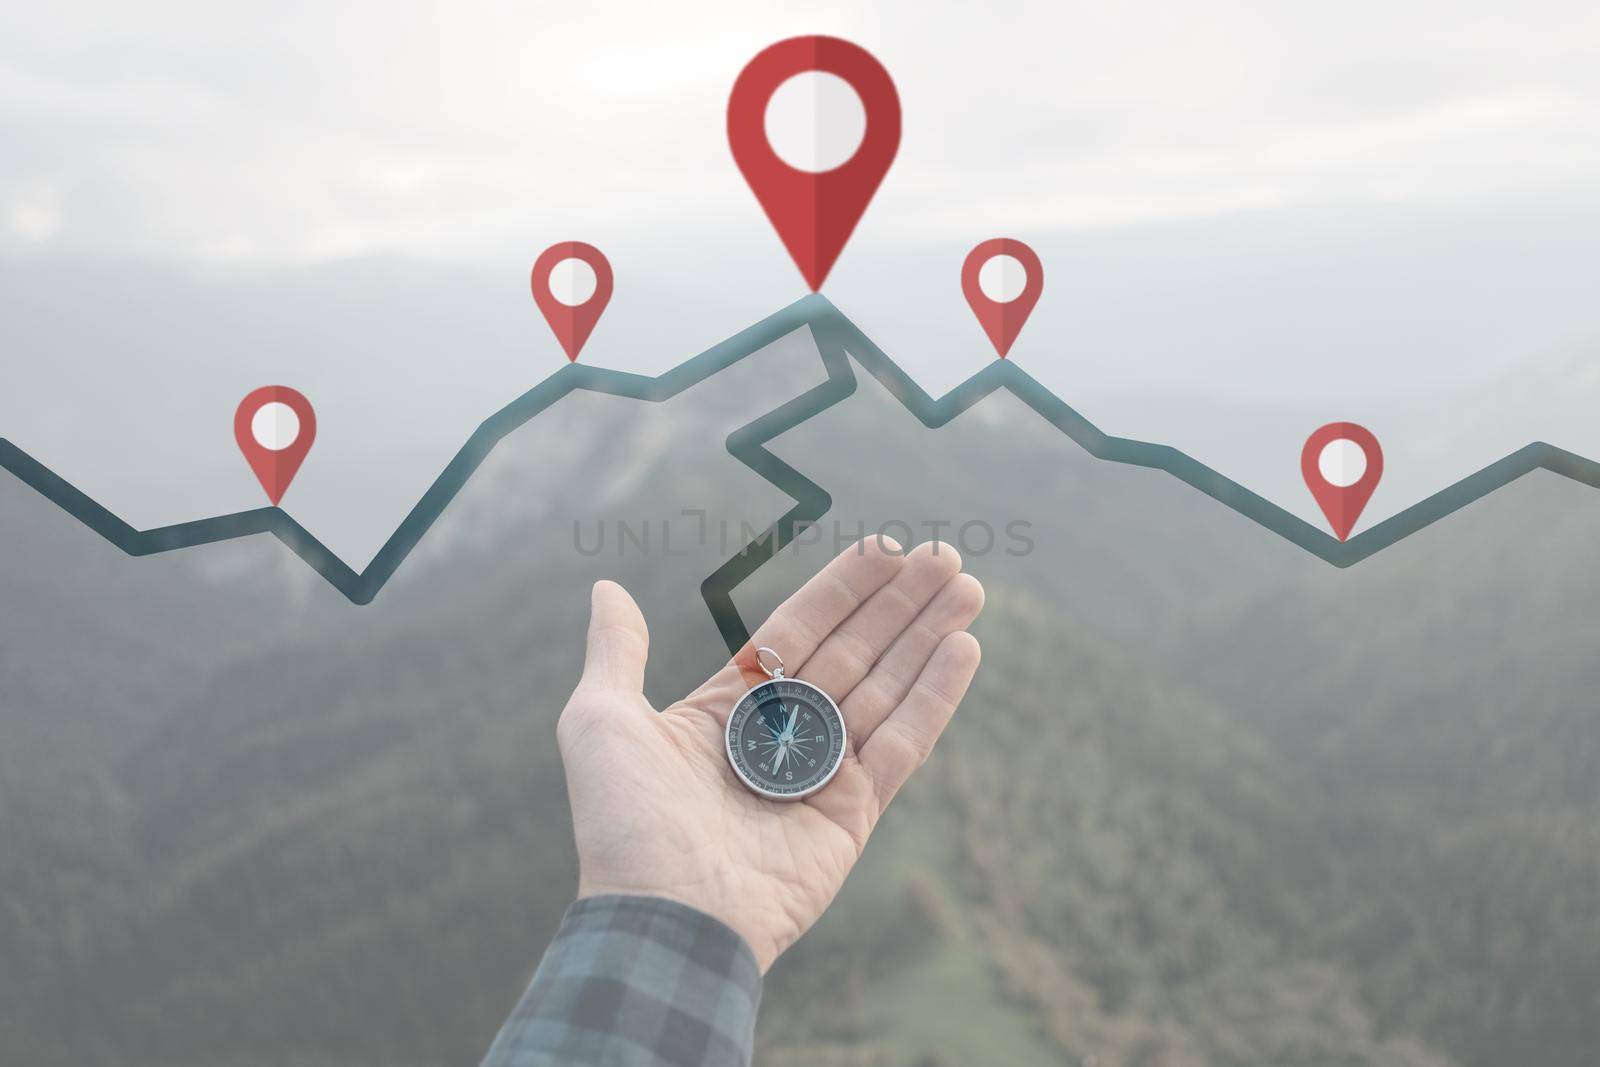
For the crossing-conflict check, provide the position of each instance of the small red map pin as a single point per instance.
(572, 285)
(815, 205)
(275, 427)
(1002, 279)
(1342, 464)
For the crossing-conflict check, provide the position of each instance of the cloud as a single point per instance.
(307, 133)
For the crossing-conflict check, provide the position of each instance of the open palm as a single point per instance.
(655, 806)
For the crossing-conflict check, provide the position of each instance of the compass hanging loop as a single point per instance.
(764, 654)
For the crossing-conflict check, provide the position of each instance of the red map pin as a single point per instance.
(275, 427)
(572, 286)
(1342, 464)
(814, 202)
(1002, 279)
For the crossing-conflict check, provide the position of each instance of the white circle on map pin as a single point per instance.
(1342, 463)
(1002, 278)
(275, 426)
(572, 281)
(815, 121)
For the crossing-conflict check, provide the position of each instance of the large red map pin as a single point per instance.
(1002, 279)
(1342, 464)
(572, 285)
(814, 211)
(275, 426)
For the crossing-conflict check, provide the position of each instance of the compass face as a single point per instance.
(785, 739)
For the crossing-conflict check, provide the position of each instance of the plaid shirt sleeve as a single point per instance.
(635, 981)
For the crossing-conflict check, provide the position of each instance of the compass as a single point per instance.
(785, 737)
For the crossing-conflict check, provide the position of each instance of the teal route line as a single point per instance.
(839, 342)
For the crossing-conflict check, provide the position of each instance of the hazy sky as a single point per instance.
(1252, 217)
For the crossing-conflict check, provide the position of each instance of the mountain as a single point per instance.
(1211, 801)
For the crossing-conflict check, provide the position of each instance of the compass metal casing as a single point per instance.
(737, 734)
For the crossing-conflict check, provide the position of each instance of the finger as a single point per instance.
(905, 739)
(848, 654)
(619, 641)
(888, 683)
(802, 622)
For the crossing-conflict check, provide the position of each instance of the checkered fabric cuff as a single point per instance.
(635, 981)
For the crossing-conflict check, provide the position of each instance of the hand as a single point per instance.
(657, 810)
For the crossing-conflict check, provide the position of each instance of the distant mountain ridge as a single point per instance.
(839, 342)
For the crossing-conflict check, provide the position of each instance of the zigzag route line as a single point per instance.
(839, 341)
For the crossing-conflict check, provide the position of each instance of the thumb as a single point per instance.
(619, 642)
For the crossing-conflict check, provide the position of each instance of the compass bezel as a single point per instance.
(822, 701)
